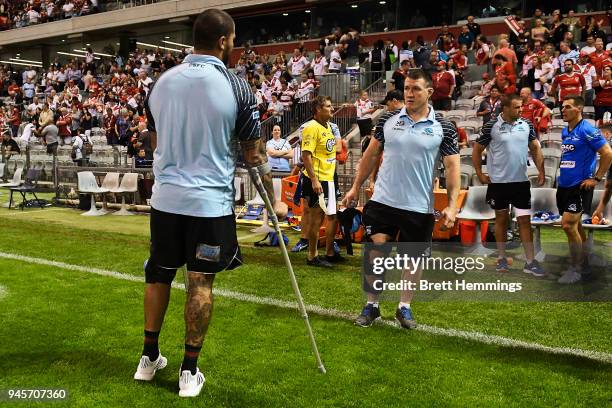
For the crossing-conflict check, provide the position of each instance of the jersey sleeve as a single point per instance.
(309, 139)
(532, 132)
(248, 126)
(450, 139)
(379, 132)
(595, 139)
(484, 137)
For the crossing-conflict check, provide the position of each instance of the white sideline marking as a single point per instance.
(321, 311)
(3, 292)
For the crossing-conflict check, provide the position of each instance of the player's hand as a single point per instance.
(317, 187)
(484, 178)
(350, 198)
(541, 179)
(598, 212)
(588, 184)
(449, 214)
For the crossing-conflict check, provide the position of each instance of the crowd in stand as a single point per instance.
(16, 14)
(546, 55)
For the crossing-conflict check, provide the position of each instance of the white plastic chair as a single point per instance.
(87, 184)
(15, 182)
(477, 209)
(129, 184)
(110, 183)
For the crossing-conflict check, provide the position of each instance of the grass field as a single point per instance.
(62, 327)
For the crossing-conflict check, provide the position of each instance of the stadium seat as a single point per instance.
(595, 260)
(129, 184)
(470, 126)
(87, 184)
(549, 176)
(558, 124)
(588, 112)
(110, 183)
(542, 199)
(476, 180)
(464, 104)
(551, 152)
(476, 84)
(477, 209)
(466, 172)
(456, 115)
(2, 167)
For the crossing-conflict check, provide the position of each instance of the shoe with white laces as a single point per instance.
(146, 368)
(190, 385)
(570, 276)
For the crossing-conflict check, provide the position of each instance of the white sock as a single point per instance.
(375, 304)
(403, 304)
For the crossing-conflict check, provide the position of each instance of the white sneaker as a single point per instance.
(146, 368)
(570, 276)
(190, 385)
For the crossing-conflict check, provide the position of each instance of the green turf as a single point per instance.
(61, 332)
(258, 355)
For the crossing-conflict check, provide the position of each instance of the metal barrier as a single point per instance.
(345, 118)
(291, 119)
(345, 88)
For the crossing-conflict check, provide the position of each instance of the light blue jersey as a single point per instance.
(411, 152)
(200, 111)
(507, 149)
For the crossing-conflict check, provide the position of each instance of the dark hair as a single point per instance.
(506, 100)
(495, 87)
(500, 57)
(577, 100)
(209, 26)
(404, 62)
(405, 45)
(418, 73)
(319, 102)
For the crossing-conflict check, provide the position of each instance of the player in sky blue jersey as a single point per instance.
(578, 176)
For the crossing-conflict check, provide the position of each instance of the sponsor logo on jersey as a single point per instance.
(567, 148)
(567, 164)
(329, 145)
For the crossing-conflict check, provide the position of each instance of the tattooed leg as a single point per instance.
(198, 307)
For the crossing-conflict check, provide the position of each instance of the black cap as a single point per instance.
(393, 94)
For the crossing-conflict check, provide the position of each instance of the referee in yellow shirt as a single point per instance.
(318, 186)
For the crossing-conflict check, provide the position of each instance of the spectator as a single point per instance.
(443, 83)
(275, 108)
(80, 149)
(444, 36)
(63, 120)
(543, 74)
(109, 126)
(421, 53)
(539, 32)
(567, 83)
(319, 63)
(122, 125)
(400, 74)
(144, 82)
(592, 28)
(46, 116)
(50, 137)
(589, 48)
(566, 54)
(599, 56)
(279, 151)
(406, 54)
(603, 93)
(144, 146)
(557, 28)
(365, 108)
(29, 89)
(473, 26)
(505, 50)
(307, 87)
(298, 63)
(287, 95)
(534, 111)
(75, 116)
(466, 37)
(483, 50)
(270, 85)
(505, 75)
(462, 135)
(335, 60)
(490, 107)
(588, 72)
(376, 56)
(10, 146)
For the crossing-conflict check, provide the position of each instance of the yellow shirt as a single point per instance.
(320, 141)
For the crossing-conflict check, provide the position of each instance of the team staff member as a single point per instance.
(319, 158)
(409, 141)
(599, 212)
(581, 142)
(198, 109)
(510, 136)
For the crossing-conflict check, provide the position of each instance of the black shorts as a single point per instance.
(207, 245)
(574, 200)
(313, 199)
(501, 195)
(400, 225)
